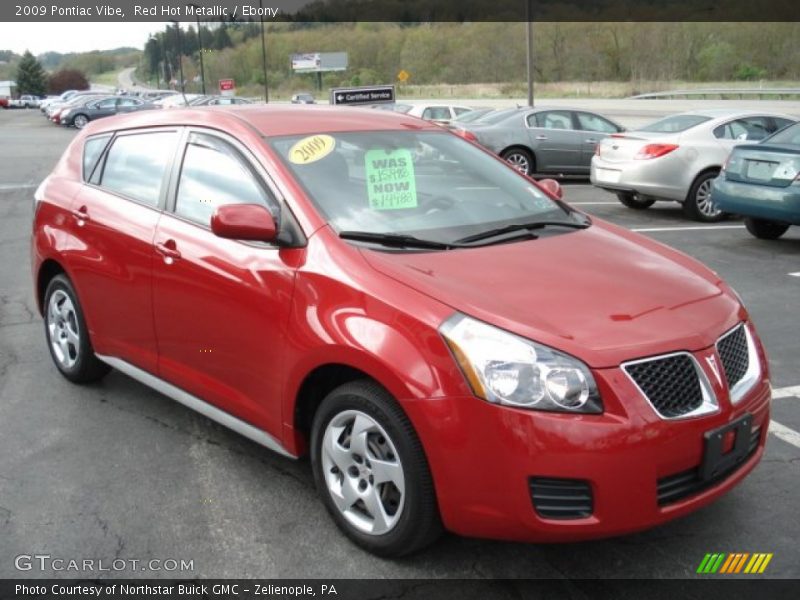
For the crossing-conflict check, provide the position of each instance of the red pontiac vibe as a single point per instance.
(453, 345)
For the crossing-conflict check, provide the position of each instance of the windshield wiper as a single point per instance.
(395, 240)
(521, 227)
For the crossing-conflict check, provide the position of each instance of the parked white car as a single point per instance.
(25, 101)
(438, 113)
(678, 157)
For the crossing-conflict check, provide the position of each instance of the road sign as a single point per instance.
(403, 76)
(227, 85)
(379, 94)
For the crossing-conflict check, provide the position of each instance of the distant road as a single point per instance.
(125, 79)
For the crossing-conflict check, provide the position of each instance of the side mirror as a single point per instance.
(552, 186)
(250, 222)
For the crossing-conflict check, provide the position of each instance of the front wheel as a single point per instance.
(67, 335)
(634, 201)
(764, 229)
(371, 471)
(520, 159)
(699, 205)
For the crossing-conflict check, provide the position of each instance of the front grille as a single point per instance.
(561, 498)
(687, 483)
(670, 383)
(734, 355)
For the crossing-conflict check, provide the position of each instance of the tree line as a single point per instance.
(455, 53)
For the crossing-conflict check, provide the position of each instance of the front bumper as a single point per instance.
(483, 457)
(758, 201)
(663, 178)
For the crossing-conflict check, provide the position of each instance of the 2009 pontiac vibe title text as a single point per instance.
(153, 10)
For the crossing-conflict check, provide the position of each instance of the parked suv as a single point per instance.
(452, 344)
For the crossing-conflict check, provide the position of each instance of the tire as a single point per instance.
(698, 205)
(764, 229)
(67, 336)
(80, 121)
(633, 201)
(348, 480)
(521, 160)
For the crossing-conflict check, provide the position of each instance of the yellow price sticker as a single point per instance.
(311, 149)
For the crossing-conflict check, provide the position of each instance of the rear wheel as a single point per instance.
(634, 201)
(698, 205)
(80, 121)
(67, 335)
(371, 471)
(520, 159)
(764, 229)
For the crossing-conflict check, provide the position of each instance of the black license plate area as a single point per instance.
(715, 461)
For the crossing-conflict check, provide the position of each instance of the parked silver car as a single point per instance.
(542, 140)
(678, 157)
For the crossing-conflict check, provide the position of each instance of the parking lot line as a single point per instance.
(797, 274)
(785, 392)
(787, 435)
(690, 228)
(17, 186)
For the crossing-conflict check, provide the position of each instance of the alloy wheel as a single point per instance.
(63, 330)
(363, 472)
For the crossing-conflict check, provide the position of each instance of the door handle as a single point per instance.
(168, 250)
(81, 215)
(591, 141)
(541, 137)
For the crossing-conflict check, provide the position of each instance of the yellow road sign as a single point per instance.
(403, 76)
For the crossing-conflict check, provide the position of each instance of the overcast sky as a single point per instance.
(73, 37)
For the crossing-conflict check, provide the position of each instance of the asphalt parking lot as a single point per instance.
(116, 470)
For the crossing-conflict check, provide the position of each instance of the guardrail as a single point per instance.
(722, 93)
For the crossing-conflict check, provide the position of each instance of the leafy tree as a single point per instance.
(31, 78)
(67, 79)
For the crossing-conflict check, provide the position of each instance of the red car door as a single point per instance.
(221, 306)
(115, 217)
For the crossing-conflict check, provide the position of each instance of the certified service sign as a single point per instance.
(377, 94)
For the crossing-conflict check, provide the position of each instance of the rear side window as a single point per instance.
(750, 128)
(213, 174)
(92, 149)
(136, 164)
(590, 122)
(436, 112)
(552, 119)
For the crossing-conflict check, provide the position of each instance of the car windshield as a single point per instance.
(787, 135)
(675, 124)
(431, 185)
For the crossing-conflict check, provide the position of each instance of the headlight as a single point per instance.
(506, 369)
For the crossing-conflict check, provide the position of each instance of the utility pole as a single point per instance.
(529, 40)
(263, 51)
(200, 42)
(180, 60)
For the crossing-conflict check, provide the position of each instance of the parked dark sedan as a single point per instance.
(79, 115)
(542, 140)
(761, 182)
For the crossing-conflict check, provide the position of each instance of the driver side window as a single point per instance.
(212, 174)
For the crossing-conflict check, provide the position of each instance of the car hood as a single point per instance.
(602, 294)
